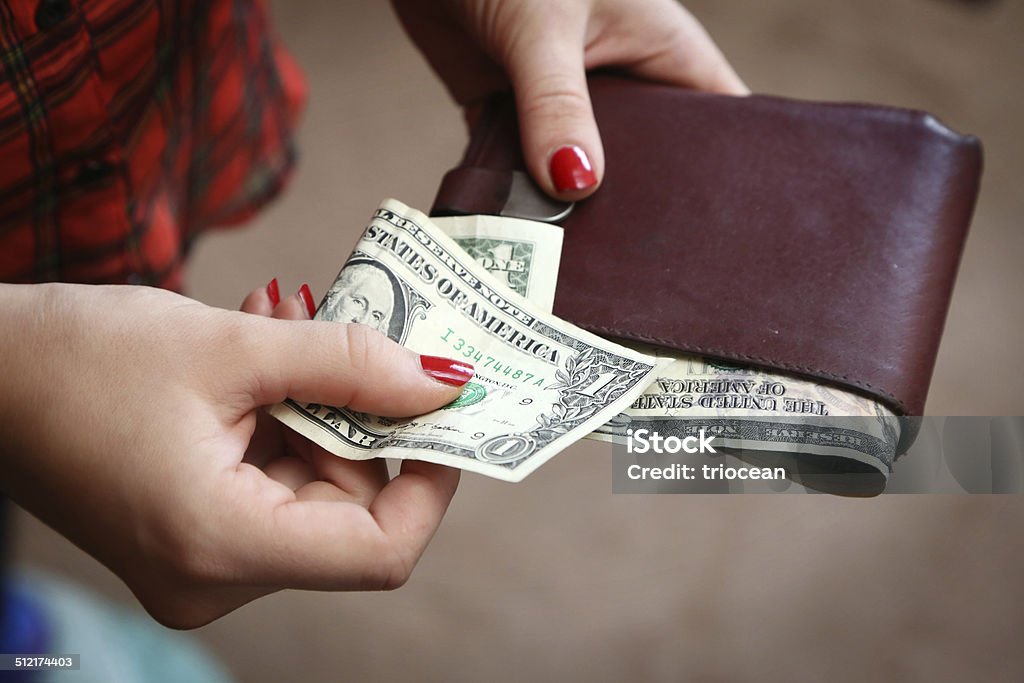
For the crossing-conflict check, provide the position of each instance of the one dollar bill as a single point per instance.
(540, 384)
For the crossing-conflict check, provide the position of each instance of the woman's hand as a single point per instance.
(543, 48)
(131, 424)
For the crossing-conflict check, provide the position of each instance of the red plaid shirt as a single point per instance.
(128, 126)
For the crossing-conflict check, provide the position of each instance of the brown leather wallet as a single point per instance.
(817, 239)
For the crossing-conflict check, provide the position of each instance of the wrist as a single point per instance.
(34, 317)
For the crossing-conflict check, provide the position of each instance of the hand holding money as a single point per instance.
(159, 461)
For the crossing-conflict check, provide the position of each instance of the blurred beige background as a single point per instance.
(557, 578)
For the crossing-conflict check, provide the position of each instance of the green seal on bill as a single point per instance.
(471, 394)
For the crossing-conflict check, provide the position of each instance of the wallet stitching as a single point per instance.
(760, 359)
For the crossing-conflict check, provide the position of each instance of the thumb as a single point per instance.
(560, 139)
(349, 365)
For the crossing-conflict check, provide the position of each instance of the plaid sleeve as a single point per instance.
(127, 127)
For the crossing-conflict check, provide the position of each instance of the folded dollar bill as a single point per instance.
(540, 384)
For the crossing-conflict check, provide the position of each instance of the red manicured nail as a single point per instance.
(453, 372)
(273, 292)
(571, 169)
(307, 298)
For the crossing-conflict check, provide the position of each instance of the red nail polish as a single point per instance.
(307, 298)
(453, 372)
(571, 169)
(273, 292)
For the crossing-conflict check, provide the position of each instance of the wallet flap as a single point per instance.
(819, 239)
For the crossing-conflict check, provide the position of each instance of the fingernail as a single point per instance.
(307, 298)
(453, 372)
(571, 169)
(273, 292)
